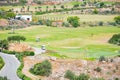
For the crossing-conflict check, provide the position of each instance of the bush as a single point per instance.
(69, 75)
(43, 69)
(41, 22)
(100, 23)
(65, 24)
(97, 79)
(16, 38)
(98, 69)
(102, 58)
(3, 78)
(48, 23)
(95, 11)
(83, 77)
(115, 39)
(117, 19)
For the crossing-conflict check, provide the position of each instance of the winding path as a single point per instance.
(10, 68)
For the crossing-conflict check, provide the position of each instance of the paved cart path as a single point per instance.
(10, 68)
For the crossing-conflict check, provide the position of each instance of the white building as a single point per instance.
(24, 17)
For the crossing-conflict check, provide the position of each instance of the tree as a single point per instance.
(102, 4)
(62, 7)
(43, 69)
(74, 21)
(4, 44)
(117, 19)
(115, 39)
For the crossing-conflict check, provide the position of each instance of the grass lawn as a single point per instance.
(1, 63)
(88, 42)
(83, 18)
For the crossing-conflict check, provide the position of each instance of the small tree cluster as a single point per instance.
(43, 69)
(115, 39)
(16, 38)
(74, 21)
(6, 14)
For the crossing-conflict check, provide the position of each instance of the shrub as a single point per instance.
(97, 79)
(16, 38)
(3, 78)
(102, 58)
(115, 39)
(43, 69)
(65, 24)
(116, 78)
(83, 77)
(69, 75)
(98, 69)
(117, 19)
(48, 23)
(95, 11)
(41, 22)
(100, 23)
(1, 63)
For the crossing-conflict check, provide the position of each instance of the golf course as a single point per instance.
(86, 43)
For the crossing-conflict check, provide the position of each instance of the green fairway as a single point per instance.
(88, 42)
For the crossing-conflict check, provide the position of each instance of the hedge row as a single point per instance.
(20, 74)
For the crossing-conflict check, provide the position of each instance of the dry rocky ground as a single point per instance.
(19, 47)
(109, 70)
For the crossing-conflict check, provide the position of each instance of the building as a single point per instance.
(24, 17)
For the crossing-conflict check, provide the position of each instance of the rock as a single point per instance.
(53, 58)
